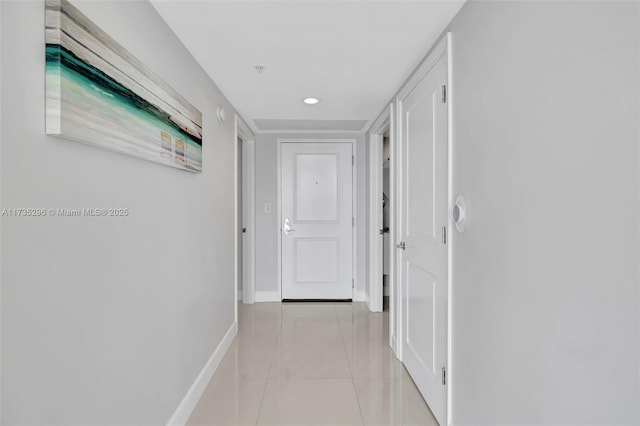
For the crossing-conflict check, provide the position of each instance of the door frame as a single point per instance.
(354, 199)
(441, 48)
(242, 131)
(383, 123)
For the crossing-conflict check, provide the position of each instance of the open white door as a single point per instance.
(316, 222)
(422, 250)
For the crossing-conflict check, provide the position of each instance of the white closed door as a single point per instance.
(424, 217)
(316, 222)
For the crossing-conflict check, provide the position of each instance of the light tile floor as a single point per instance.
(324, 364)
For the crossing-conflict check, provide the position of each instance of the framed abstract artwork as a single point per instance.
(99, 94)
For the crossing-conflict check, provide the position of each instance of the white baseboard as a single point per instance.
(274, 296)
(267, 296)
(188, 403)
(394, 346)
(359, 296)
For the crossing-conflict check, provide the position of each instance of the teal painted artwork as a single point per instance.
(98, 93)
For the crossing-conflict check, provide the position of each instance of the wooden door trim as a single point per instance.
(354, 199)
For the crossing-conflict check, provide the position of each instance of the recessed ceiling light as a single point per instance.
(311, 101)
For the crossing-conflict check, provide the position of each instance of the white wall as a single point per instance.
(267, 224)
(545, 284)
(108, 320)
(0, 218)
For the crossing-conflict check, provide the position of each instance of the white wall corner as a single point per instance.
(267, 296)
(188, 403)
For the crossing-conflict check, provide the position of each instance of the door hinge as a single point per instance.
(444, 235)
(444, 93)
(353, 160)
(353, 283)
(444, 376)
(353, 221)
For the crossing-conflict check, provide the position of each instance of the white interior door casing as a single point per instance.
(240, 220)
(248, 220)
(424, 210)
(244, 187)
(379, 246)
(374, 284)
(317, 220)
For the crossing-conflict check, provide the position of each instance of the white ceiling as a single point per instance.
(352, 54)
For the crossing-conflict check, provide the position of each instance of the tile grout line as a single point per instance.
(355, 390)
(264, 392)
(273, 356)
(349, 361)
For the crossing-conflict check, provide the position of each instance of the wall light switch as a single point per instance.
(267, 207)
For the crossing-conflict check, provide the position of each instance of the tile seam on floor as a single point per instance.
(264, 392)
(266, 383)
(355, 390)
(353, 384)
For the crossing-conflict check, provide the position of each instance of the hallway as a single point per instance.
(311, 364)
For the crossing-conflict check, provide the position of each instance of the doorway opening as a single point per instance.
(381, 291)
(386, 218)
(241, 229)
(244, 178)
(316, 210)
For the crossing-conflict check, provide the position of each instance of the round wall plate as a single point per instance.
(220, 114)
(460, 213)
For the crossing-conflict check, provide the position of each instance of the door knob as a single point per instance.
(404, 246)
(286, 227)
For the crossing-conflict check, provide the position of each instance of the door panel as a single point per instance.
(316, 260)
(421, 286)
(317, 208)
(420, 170)
(316, 182)
(424, 214)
